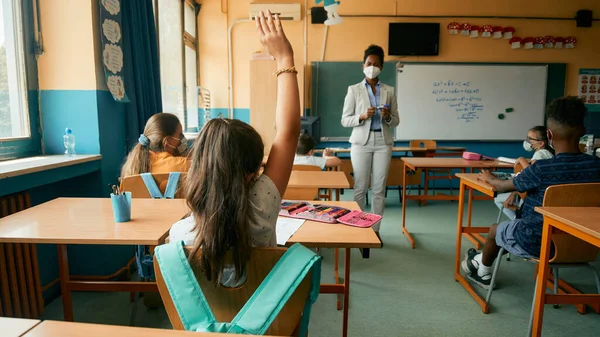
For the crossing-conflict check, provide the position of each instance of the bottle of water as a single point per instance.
(69, 141)
(589, 146)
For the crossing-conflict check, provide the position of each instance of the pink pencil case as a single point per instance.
(359, 219)
(475, 156)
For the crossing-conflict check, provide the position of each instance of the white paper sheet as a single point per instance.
(285, 228)
(507, 160)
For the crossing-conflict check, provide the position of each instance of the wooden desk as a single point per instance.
(469, 181)
(323, 235)
(70, 329)
(318, 179)
(90, 221)
(15, 327)
(584, 225)
(414, 164)
(445, 150)
(332, 180)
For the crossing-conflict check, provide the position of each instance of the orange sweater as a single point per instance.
(164, 162)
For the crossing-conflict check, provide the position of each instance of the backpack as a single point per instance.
(143, 256)
(259, 312)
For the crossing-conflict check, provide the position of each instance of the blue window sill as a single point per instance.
(26, 173)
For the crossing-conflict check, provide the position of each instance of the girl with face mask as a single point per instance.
(538, 143)
(162, 148)
(371, 110)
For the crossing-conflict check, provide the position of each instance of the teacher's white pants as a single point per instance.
(371, 161)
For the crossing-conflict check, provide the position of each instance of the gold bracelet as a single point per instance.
(291, 70)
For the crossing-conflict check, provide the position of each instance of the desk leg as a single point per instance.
(346, 292)
(543, 273)
(471, 237)
(425, 188)
(404, 201)
(63, 265)
(459, 233)
(336, 276)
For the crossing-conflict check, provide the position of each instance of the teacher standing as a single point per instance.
(371, 109)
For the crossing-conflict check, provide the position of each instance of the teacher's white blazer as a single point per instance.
(357, 102)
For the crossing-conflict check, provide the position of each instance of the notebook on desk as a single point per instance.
(507, 160)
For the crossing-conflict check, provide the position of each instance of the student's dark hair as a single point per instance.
(306, 143)
(225, 155)
(542, 135)
(567, 111)
(374, 50)
(157, 128)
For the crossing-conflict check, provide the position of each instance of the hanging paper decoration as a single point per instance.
(528, 43)
(474, 31)
(558, 42)
(331, 7)
(515, 42)
(497, 32)
(570, 42)
(453, 28)
(465, 29)
(508, 32)
(539, 42)
(549, 41)
(112, 51)
(487, 31)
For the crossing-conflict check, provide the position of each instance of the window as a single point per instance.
(14, 112)
(178, 59)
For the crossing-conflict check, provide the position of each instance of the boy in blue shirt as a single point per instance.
(522, 236)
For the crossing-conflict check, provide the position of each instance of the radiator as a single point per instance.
(20, 288)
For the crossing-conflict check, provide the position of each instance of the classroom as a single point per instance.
(299, 167)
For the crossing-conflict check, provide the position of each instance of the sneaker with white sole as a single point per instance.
(469, 265)
(482, 281)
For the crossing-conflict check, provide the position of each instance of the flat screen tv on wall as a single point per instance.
(418, 39)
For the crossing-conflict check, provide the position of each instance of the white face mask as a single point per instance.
(527, 146)
(371, 72)
(183, 145)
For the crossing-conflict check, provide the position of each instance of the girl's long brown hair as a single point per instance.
(226, 156)
(157, 128)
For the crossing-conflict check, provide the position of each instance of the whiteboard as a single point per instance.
(463, 102)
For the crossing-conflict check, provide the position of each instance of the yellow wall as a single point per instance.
(68, 62)
(347, 41)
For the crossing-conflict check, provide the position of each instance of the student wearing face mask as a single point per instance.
(371, 110)
(537, 142)
(162, 148)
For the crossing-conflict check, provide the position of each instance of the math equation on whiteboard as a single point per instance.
(460, 97)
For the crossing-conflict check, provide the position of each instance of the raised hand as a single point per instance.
(273, 38)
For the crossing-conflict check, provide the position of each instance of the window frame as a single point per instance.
(187, 41)
(26, 146)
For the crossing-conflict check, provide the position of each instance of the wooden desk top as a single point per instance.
(449, 163)
(318, 179)
(584, 219)
(15, 327)
(324, 235)
(71, 329)
(475, 183)
(90, 221)
(406, 149)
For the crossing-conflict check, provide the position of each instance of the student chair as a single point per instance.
(225, 303)
(135, 185)
(569, 251)
(443, 174)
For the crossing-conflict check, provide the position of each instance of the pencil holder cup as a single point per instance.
(121, 204)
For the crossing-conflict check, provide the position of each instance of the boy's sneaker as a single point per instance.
(482, 281)
(469, 265)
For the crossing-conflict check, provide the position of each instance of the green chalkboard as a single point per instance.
(330, 81)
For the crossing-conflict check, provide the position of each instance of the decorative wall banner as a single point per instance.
(589, 88)
(112, 48)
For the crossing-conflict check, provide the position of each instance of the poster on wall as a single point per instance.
(589, 88)
(112, 48)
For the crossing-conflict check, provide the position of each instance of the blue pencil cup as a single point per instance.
(121, 205)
